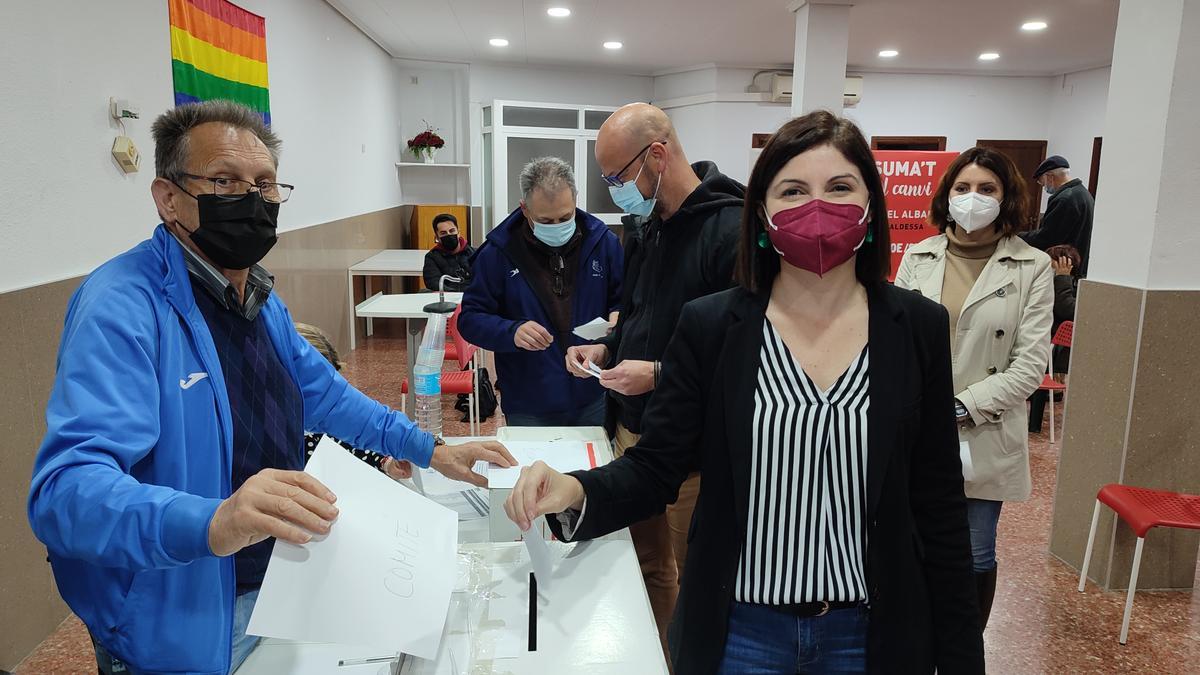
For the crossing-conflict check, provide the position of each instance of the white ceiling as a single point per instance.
(944, 36)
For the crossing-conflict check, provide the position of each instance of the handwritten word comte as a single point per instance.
(405, 549)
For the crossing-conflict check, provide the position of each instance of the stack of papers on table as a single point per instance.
(562, 456)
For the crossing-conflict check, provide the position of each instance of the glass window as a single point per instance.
(521, 151)
(487, 115)
(554, 118)
(598, 198)
(593, 119)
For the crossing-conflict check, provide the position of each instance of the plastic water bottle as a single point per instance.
(427, 374)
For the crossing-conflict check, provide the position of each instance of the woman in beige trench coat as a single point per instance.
(999, 292)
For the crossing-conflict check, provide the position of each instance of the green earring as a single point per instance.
(763, 240)
(870, 237)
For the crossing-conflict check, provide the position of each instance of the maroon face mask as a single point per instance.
(818, 236)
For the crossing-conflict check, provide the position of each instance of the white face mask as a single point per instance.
(973, 211)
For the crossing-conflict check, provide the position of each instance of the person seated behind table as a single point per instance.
(450, 256)
(396, 469)
(1066, 262)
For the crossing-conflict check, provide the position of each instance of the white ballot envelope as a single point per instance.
(593, 330)
(381, 578)
(588, 367)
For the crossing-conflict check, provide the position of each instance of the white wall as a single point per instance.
(1077, 117)
(962, 108)
(437, 94)
(1066, 111)
(65, 207)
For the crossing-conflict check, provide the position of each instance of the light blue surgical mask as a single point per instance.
(554, 235)
(629, 198)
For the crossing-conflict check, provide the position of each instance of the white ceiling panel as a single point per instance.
(660, 35)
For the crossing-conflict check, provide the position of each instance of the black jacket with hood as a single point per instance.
(667, 264)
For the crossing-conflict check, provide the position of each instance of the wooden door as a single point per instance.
(1027, 155)
(933, 143)
(1094, 174)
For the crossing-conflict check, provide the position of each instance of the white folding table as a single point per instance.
(386, 263)
(411, 308)
(595, 618)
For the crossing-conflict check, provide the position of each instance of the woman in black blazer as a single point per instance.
(830, 534)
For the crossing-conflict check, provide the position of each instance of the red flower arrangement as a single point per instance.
(426, 143)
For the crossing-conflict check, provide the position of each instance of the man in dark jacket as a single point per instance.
(547, 269)
(1068, 217)
(450, 256)
(683, 250)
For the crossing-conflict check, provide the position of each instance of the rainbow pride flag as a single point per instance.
(219, 50)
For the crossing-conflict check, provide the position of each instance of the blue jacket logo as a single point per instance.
(597, 270)
(191, 380)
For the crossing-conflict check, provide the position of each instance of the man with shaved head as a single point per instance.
(687, 219)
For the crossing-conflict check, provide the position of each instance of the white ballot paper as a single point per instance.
(593, 330)
(539, 555)
(381, 578)
(588, 367)
(562, 456)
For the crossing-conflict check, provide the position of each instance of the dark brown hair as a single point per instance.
(1066, 251)
(1014, 209)
(757, 267)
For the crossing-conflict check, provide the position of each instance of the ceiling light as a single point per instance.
(989, 56)
(889, 53)
(1033, 25)
(498, 42)
(559, 12)
(613, 44)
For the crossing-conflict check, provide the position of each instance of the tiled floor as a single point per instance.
(1040, 624)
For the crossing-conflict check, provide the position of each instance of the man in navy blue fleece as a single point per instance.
(175, 431)
(548, 268)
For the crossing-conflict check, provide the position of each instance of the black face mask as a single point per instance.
(449, 242)
(236, 233)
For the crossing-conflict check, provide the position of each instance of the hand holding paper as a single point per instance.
(594, 329)
(381, 578)
(255, 512)
(542, 490)
(457, 461)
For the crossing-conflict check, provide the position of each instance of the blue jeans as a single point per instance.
(243, 644)
(983, 516)
(589, 416)
(765, 641)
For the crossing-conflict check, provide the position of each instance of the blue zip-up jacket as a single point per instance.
(499, 300)
(137, 457)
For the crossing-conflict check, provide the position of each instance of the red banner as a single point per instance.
(910, 178)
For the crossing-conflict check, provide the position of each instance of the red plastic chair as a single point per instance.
(1062, 338)
(1141, 509)
(461, 381)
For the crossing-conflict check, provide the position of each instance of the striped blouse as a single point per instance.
(806, 535)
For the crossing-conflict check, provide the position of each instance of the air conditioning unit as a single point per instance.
(853, 91)
(781, 90)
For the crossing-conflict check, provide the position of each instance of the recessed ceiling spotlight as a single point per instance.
(989, 56)
(613, 44)
(1033, 25)
(889, 53)
(559, 12)
(498, 42)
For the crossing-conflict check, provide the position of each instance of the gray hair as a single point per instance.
(171, 129)
(548, 174)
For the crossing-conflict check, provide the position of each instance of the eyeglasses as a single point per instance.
(615, 179)
(233, 188)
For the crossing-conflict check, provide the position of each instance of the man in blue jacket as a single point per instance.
(175, 430)
(548, 268)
